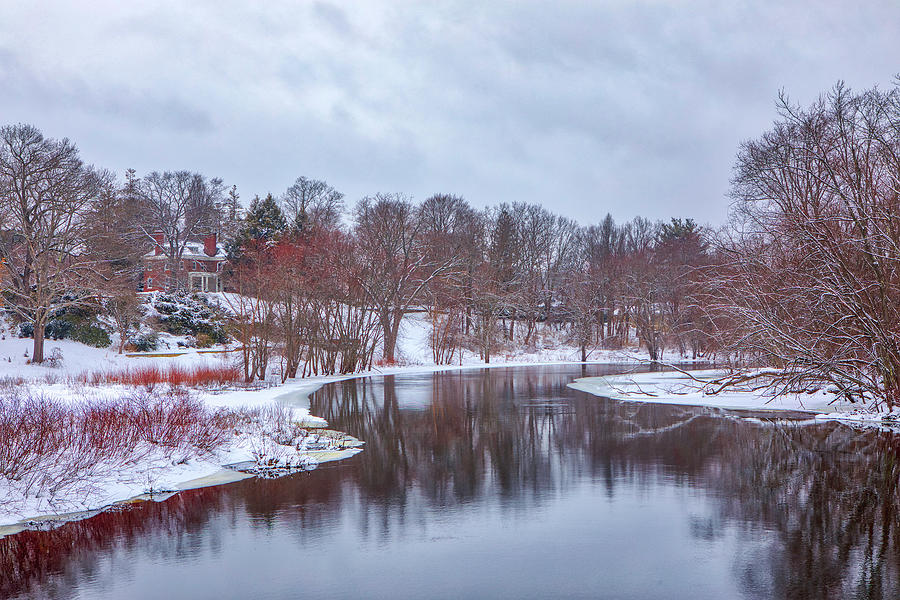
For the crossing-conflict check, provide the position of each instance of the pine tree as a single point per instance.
(232, 221)
(263, 222)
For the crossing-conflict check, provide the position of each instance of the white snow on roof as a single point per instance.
(194, 250)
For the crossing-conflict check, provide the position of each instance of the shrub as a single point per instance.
(47, 446)
(73, 323)
(55, 360)
(92, 335)
(57, 329)
(182, 314)
(146, 342)
(150, 376)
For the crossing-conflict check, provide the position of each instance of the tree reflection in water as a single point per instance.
(822, 497)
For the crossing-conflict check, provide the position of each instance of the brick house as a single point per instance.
(202, 265)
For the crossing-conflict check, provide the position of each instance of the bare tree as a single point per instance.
(310, 204)
(495, 289)
(178, 207)
(580, 303)
(46, 194)
(451, 227)
(455, 227)
(645, 285)
(808, 276)
(398, 264)
(124, 307)
(604, 247)
(531, 248)
(253, 311)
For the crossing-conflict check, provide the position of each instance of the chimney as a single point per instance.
(160, 238)
(209, 245)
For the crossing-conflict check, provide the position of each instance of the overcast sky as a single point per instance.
(628, 107)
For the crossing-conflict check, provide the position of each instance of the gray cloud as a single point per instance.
(83, 94)
(334, 17)
(620, 106)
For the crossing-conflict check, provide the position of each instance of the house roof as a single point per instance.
(195, 250)
(192, 251)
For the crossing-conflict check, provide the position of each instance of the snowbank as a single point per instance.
(673, 387)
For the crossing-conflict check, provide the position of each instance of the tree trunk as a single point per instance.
(486, 341)
(395, 332)
(37, 354)
(391, 329)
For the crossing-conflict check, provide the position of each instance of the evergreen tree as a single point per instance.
(232, 218)
(263, 222)
(678, 229)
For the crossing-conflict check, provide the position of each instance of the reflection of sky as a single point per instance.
(641, 543)
(414, 392)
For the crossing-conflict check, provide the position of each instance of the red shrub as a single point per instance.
(49, 445)
(175, 375)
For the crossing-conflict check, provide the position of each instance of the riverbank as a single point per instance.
(698, 389)
(70, 451)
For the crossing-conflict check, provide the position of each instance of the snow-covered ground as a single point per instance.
(695, 389)
(413, 351)
(549, 346)
(77, 358)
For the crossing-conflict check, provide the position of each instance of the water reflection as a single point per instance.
(486, 472)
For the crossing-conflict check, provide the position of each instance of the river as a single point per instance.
(505, 483)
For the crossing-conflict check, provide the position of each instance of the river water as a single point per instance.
(504, 483)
